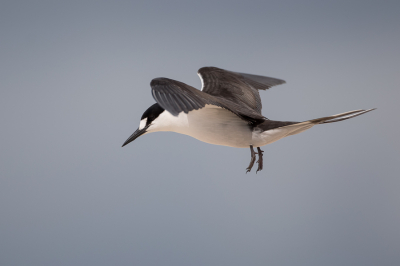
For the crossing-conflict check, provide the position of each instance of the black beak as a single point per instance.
(135, 135)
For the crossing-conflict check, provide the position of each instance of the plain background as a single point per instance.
(74, 79)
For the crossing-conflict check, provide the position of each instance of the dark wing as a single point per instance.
(177, 97)
(237, 87)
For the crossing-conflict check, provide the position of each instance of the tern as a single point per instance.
(227, 111)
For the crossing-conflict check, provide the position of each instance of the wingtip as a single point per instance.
(282, 82)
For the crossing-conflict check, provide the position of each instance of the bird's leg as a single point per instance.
(260, 159)
(253, 159)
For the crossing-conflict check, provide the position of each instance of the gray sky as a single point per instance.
(75, 81)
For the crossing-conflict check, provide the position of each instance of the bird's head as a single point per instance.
(148, 122)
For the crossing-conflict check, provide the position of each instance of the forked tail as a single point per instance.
(296, 128)
(339, 117)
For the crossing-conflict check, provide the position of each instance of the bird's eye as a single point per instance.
(149, 120)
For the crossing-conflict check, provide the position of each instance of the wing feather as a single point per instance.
(177, 97)
(240, 88)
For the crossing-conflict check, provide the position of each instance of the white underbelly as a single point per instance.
(218, 126)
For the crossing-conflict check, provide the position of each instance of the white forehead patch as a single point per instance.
(143, 123)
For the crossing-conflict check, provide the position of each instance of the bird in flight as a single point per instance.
(226, 111)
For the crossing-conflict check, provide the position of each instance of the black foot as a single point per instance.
(253, 159)
(260, 159)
